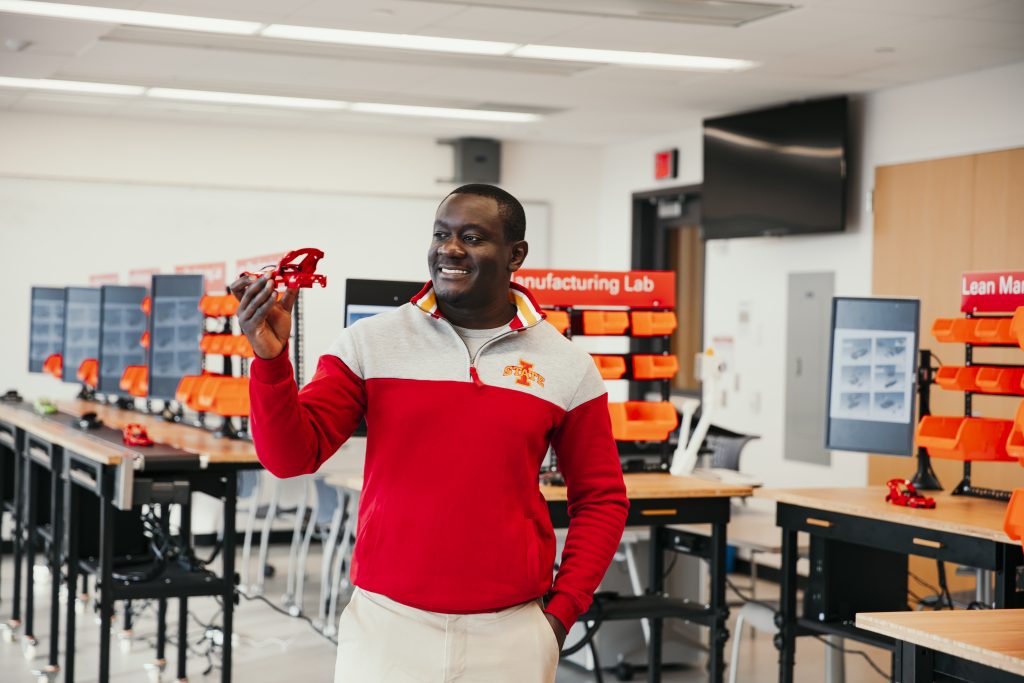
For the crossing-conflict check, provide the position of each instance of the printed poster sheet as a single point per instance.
(873, 375)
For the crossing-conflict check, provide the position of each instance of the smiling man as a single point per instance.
(464, 389)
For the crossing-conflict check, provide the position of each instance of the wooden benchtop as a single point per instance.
(991, 637)
(186, 438)
(964, 515)
(638, 486)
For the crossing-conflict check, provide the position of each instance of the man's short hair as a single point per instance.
(509, 209)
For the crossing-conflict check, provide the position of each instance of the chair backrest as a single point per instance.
(329, 501)
(726, 447)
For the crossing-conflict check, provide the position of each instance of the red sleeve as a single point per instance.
(589, 461)
(296, 431)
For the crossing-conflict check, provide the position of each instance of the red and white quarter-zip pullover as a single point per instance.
(451, 519)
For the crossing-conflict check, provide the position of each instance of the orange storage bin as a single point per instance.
(1017, 326)
(205, 392)
(605, 322)
(144, 340)
(231, 397)
(653, 323)
(642, 420)
(242, 347)
(147, 305)
(219, 305)
(974, 330)
(1013, 522)
(655, 367)
(89, 372)
(135, 381)
(54, 365)
(993, 380)
(1015, 441)
(964, 438)
(185, 393)
(957, 377)
(610, 367)
(560, 319)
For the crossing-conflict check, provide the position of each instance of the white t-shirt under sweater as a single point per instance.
(476, 338)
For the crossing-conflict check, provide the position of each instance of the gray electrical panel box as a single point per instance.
(477, 160)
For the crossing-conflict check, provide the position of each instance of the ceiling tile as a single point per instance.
(51, 36)
(28, 65)
(393, 16)
(485, 23)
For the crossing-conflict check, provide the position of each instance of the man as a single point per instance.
(463, 390)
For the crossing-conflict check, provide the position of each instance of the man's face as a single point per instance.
(469, 258)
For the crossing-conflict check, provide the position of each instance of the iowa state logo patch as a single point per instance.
(524, 374)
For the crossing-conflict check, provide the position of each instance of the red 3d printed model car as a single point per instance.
(907, 496)
(135, 435)
(293, 273)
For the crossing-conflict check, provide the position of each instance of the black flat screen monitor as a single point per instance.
(175, 327)
(779, 171)
(46, 326)
(81, 328)
(873, 375)
(122, 324)
(364, 298)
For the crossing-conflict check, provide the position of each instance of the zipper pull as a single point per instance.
(476, 377)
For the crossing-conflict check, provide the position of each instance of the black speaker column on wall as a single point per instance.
(476, 160)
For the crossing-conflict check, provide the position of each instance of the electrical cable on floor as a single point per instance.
(847, 651)
(302, 617)
(747, 598)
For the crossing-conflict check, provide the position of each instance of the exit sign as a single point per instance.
(666, 164)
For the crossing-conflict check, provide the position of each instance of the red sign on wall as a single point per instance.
(635, 288)
(666, 164)
(214, 275)
(104, 279)
(1000, 292)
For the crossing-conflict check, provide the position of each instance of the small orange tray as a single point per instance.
(1017, 325)
(216, 306)
(54, 365)
(992, 380)
(642, 420)
(964, 438)
(655, 367)
(1015, 441)
(89, 372)
(231, 397)
(186, 389)
(610, 367)
(560, 319)
(957, 377)
(653, 323)
(135, 380)
(605, 322)
(974, 330)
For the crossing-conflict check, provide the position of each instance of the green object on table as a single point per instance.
(44, 406)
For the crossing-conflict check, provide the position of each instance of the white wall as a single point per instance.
(284, 185)
(967, 114)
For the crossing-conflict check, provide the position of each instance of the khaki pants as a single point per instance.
(382, 641)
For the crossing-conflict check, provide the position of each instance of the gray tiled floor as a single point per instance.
(272, 648)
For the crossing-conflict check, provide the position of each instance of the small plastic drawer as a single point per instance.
(231, 397)
(201, 399)
(610, 367)
(983, 331)
(218, 306)
(655, 367)
(559, 319)
(605, 322)
(642, 420)
(957, 377)
(653, 323)
(1013, 522)
(964, 438)
(992, 380)
(89, 372)
(1017, 326)
(186, 389)
(135, 380)
(54, 365)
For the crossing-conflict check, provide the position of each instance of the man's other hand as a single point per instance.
(556, 626)
(265, 320)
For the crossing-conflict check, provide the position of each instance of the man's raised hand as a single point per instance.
(265, 320)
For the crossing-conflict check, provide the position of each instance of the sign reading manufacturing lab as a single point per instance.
(998, 292)
(635, 288)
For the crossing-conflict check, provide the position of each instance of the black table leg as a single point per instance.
(719, 633)
(655, 586)
(19, 529)
(785, 640)
(913, 664)
(186, 542)
(1007, 596)
(71, 534)
(228, 571)
(161, 633)
(106, 577)
(56, 536)
(31, 504)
